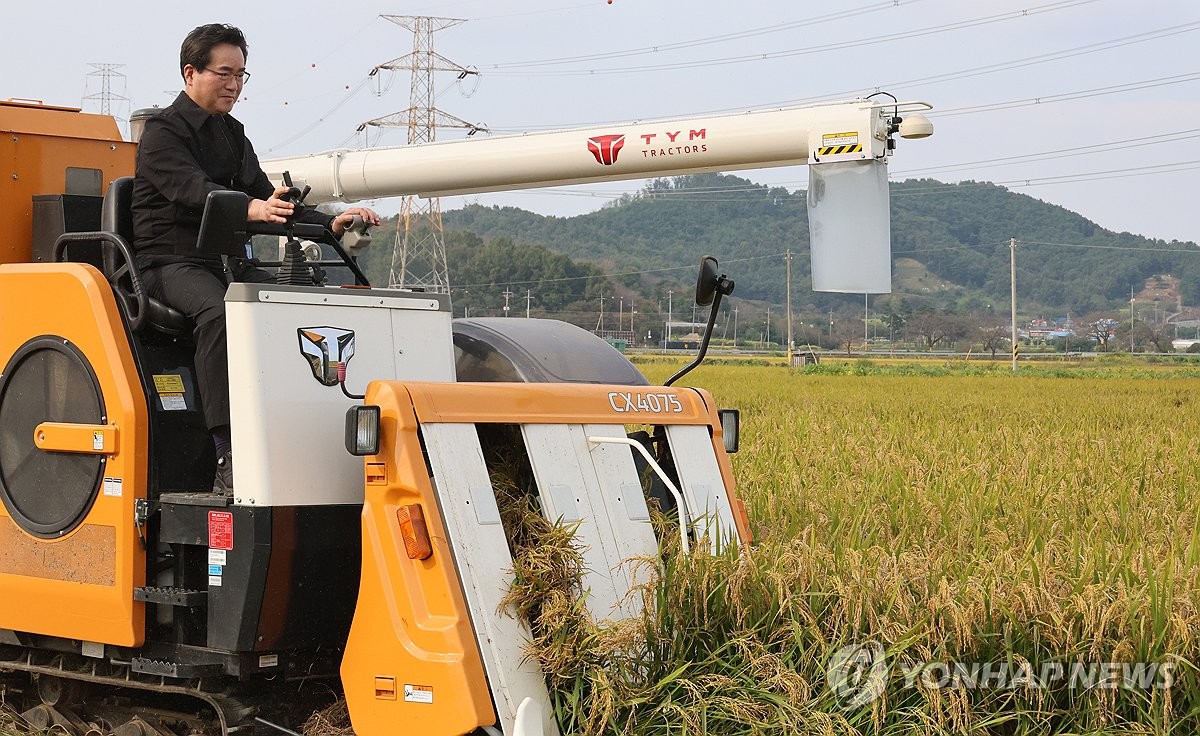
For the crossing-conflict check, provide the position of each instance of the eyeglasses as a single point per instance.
(242, 77)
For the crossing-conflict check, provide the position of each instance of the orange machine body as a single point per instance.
(412, 636)
(52, 150)
(578, 403)
(411, 663)
(80, 585)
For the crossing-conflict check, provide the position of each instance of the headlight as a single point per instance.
(362, 430)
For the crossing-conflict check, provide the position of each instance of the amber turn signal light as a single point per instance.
(415, 532)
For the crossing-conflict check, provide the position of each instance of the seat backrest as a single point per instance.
(116, 215)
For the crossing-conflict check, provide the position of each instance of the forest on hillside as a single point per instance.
(950, 245)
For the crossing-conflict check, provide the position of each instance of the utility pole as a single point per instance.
(768, 340)
(669, 293)
(600, 322)
(865, 314)
(105, 73)
(507, 295)
(528, 301)
(621, 315)
(419, 256)
(789, 306)
(735, 326)
(1012, 260)
(1131, 320)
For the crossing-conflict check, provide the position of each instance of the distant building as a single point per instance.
(1041, 330)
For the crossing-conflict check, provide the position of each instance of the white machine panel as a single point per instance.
(596, 487)
(468, 506)
(701, 484)
(287, 410)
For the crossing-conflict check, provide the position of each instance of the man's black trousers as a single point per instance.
(198, 290)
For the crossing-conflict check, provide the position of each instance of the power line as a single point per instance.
(1096, 246)
(1113, 247)
(1020, 63)
(1107, 147)
(788, 53)
(614, 275)
(1064, 96)
(707, 40)
(937, 78)
(1169, 168)
(338, 106)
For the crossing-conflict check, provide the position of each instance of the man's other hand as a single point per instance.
(343, 220)
(270, 210)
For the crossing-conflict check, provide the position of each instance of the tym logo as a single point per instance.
(606, 147)
(693, 135)
(675, 144)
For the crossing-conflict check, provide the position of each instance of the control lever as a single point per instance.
(296, 270)
(295, 195)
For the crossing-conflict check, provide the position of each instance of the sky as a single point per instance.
(1093, 105)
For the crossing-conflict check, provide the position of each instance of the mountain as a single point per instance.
(958, 233)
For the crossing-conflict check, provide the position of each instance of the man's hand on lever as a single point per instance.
(343, 220)
(271, 210)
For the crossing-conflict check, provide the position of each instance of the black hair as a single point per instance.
(197, 47)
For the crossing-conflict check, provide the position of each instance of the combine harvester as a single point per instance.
(363, 552)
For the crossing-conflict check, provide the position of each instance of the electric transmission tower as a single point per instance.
(105, 73)
(419, 257)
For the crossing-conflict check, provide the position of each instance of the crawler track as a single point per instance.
(83, 696)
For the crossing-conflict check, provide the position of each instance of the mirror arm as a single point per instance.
(708, 330)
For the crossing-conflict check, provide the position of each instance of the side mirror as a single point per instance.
(706, 281)
(709, 289)
(223, 225)
(731, 421)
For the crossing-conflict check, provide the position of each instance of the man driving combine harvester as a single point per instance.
(191, 148)
(364, 553)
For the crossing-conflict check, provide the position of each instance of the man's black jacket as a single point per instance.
(184, 154)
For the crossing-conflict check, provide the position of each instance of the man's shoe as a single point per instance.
(223, 482)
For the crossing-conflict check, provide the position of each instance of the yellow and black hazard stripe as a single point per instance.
(834, 150)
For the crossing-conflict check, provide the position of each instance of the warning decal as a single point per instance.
(169, 384)
(839, 139)
(112, 487)
(834, 150)
(418, 693)
(220, 530)
(833, 144)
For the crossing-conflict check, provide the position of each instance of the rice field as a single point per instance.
(958, 554)
(937, 551)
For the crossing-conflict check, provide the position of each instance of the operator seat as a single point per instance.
(116, 216)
